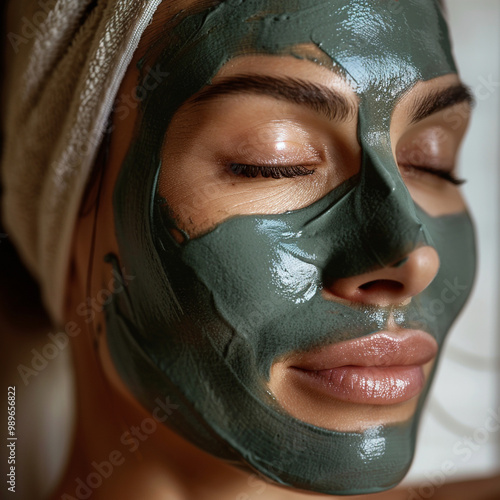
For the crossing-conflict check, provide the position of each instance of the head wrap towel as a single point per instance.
(64, 65)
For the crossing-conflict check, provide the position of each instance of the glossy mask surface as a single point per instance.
(204, 320)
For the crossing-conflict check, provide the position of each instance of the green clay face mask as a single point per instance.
(205, 319)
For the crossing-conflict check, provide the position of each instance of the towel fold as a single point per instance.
(64, 65)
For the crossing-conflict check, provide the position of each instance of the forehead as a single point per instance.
(381, 45)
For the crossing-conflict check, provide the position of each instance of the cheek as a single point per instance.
(200, 200)
(445, 200)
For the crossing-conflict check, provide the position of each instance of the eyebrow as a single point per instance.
(441, 99)
(317, 97)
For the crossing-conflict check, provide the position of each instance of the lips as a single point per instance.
(383, 368)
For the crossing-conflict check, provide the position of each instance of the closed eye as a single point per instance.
(417, 170)
(276, 172)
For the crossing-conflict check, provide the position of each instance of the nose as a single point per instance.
(391, 285)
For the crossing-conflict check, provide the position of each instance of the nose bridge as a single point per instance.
(388, 216)
(376, 224)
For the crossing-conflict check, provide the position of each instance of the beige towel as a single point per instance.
(65, 62)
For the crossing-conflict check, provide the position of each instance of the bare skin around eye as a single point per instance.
(205, 140)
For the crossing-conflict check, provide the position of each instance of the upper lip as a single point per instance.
(385, 348)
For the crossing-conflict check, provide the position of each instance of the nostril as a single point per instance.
(392, 284)
(382, 285)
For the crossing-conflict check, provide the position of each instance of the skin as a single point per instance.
(164, 461)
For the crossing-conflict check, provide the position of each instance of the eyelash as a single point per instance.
(274, 172)
(298, 170)
(443, 174)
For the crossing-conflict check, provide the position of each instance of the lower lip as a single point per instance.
(380, 385)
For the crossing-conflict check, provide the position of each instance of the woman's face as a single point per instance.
(202, 186)
(300, 245)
